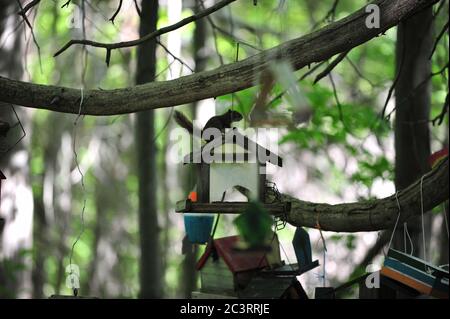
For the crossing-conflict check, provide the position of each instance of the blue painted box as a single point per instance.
(198, 227)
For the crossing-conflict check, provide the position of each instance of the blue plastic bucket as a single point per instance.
(198, 227)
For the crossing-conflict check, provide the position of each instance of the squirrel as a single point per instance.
(220, 122)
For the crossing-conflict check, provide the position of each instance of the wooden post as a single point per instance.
(202, 182)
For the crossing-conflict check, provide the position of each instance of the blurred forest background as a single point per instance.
(346, 152)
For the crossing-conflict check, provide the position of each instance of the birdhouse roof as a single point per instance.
(235, 260)
(234, 137)
(2, 176)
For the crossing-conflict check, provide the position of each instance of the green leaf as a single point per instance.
(254, 224)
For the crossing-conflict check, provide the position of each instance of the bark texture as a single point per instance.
(150, 272)
(412, 102)
(371, 215)
(335, 38)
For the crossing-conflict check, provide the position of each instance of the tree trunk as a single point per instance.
(412, 135)
(17, 208)
(189, 276)
(150, 281)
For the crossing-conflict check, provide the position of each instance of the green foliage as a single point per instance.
(254, 224)
(241, 101)
(113, 170)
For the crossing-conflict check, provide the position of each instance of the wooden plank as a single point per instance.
(290, 270)
(203, 183)
(266, 288)
(228, 207)
(408, 281)
(417, 263)
(217, 285)
(392, 289)
(215, 275)
(217, 281)
(411, 272)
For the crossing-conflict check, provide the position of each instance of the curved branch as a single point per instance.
(157, 33)
(116, 12)
(335, 38)
(372, 215)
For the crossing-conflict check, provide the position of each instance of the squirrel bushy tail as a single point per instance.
(220, 122)
(183, 121)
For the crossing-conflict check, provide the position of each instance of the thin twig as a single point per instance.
(336, 98)
(21, 127)
(438, 39)
(25, 18)
(152, 35)
(439, 8)
(231, 36)
(329, 16)
(23, 11)
(311, 71)
(280, 95)
(13, 31)
(174, 57)
(116, 12)
(440, 118)
(66, 4)
(331, 66)
(358, 71)
(138, 10)
(214, 32)
(332, 13)
(413, 91)
(166, 124)
(397, 77)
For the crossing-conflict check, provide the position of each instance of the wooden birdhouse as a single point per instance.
(417, 274)
(235, 160)
(407, 277)
(221, 165)
(225, 272)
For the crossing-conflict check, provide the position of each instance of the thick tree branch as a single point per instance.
(371, 215)
(335, 38)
